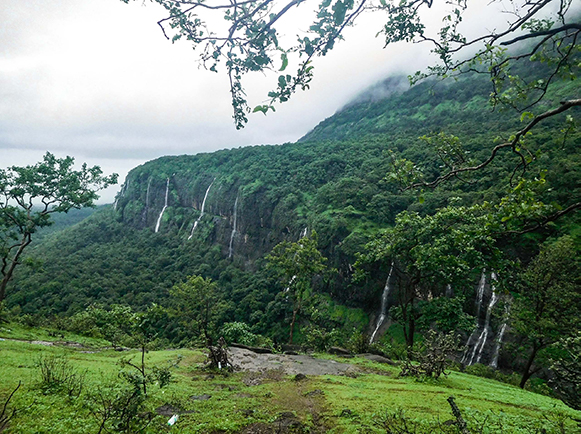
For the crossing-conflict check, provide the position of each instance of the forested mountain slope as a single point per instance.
(218, 214)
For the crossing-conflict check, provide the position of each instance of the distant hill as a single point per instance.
(218, 214)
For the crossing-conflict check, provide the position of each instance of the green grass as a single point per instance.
(238, 401)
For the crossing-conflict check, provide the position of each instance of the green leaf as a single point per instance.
(284, 59)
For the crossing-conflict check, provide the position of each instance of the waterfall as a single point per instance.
(481, 342)
(147, 194)
(479, 298)
(304, 232)
(164, 207)
(384, 296)
(449, 291)
(120, 194)
(230, 247)
(494, 362)
(146, 209)
(480, 293)
(202, 210)
(290, 283)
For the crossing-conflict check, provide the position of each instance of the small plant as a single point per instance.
(435, 356)
(318, 338)
(6, 415)
(567, 371)
(218, 356)
(120, 409)
(58, 376)
(358, 342)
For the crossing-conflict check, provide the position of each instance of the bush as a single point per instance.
(239, 332)
(58, 376)
(434, 357)
(120, 408)
(319, 339)
(358, 342)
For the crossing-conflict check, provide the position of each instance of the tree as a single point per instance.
(296, 264)
(536, 32)
(567, 370)
(547, 307)
(29, 195)
(430, 252)
(196, 303)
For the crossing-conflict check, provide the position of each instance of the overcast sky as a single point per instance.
(96, 79)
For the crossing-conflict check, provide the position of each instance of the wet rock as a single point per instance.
(258, 350)
(315, 392)
(300, 377)
(338, 351)
(203, 397)
(377, 358)
(169, 410)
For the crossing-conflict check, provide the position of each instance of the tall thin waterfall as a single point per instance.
(384, 296)
(495, 355)
(480, 293)
(120, 194)
(231, 246)
(147, 193)
(287, 289)
(449, 291)
(202, 210)
(164, 207)
(481, 342)
(146, 209)
(479, 298)
(304, 232)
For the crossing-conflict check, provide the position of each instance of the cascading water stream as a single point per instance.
(164, 207)
(147, 194)
(146, 209)
(384, 297)
(202, 210)
(495, 355)
(481, 342)
(304, 232)
(449, 291)
(479, 298)
(287, 289)
(231, 246)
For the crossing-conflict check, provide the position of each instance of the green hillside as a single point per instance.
(332, 181)
(367, 400)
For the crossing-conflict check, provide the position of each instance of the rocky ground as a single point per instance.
(247, 360)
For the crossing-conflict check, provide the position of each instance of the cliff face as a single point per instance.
(208, 203)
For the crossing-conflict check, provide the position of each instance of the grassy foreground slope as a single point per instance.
(245, 402)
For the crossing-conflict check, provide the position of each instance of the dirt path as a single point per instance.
(250, 361)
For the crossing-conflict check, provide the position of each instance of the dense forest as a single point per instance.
(217, 215)
(316, 245)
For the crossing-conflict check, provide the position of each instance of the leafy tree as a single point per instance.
(429, 252)
(567, 370)
(28, 197)
(547, 306)
(250, 41)
(196, 302)
(296, 264)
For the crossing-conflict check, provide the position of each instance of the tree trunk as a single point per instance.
(292, 326)
(8, 273)
(411, 331)
(527, 372)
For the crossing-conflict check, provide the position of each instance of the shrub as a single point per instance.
(58, 376)
(240, 333)
(358, 342)
(120, 409)
(434, 357)
(319, 339)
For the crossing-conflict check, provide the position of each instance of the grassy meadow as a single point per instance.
(243, 402)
